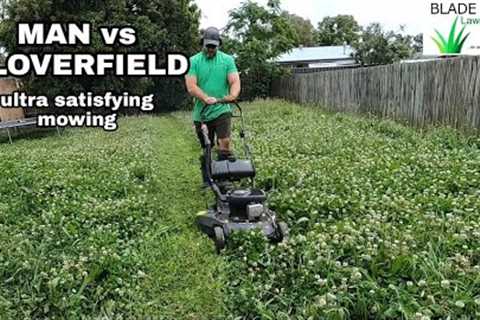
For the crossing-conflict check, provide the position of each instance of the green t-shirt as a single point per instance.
(212, 78)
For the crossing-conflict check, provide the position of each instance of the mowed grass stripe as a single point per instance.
(96, 224)
(185, 277)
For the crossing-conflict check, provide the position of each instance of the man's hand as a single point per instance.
(229, 99)
(210, 100)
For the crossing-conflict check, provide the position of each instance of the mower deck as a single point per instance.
(235, 209)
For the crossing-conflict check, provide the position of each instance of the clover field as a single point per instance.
(384, 223)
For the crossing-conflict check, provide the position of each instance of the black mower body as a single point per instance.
(208, 220)
(236, 209)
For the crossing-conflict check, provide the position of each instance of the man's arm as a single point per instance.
(195, 91)
(235, 86)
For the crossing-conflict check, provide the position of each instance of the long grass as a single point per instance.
(384, 223)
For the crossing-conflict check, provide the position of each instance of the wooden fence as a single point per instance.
(445, 92)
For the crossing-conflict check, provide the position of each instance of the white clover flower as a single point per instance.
(331, 296)
(322, 301)
(460, 304)
(322, 282)
(445, 283)
(356, 275)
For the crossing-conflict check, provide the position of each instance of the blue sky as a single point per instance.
(390, 14)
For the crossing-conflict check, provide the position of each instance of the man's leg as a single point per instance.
(224, 145)
(203, 168)
(223, 129)
(223, 132)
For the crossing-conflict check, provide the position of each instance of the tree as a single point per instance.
(161, 26)
(304, 30)
(338, 30)
(377, 46)
(418, 43)
(256, 35)
(3, 9)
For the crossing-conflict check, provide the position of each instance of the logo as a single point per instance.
(455, 43)
(452, 28)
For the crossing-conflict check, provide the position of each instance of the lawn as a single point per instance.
(94, 225)
(384, 223)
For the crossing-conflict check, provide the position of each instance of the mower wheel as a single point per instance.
(282, 230)
(219, 239)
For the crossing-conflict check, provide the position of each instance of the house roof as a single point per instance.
(327, 53)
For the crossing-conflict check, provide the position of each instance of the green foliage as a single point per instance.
(256, 35)
(373, 45)
(384, 223)
(384, 220)
(418, 43)
(305, 32)
(377, 46)
(161, 26)
(338, 30)
(455, 43)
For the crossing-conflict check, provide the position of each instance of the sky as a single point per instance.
(390, 13)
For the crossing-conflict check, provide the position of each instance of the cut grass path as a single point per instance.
(101, 225)
(184, 282)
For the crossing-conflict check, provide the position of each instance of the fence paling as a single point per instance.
(434, 92)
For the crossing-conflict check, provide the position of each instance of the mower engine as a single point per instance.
(236, 209)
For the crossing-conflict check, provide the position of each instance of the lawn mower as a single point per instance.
(235, 208)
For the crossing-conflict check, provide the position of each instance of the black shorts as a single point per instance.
(219, 128)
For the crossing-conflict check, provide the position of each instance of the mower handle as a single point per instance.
(221, 101)
(208, 144)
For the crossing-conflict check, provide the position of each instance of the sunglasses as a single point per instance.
(211, 46)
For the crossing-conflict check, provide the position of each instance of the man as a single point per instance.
(213, 81)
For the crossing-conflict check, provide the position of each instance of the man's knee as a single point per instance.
(224, 143)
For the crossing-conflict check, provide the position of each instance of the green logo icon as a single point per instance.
(454, 43)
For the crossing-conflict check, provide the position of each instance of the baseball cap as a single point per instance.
(211, 36)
